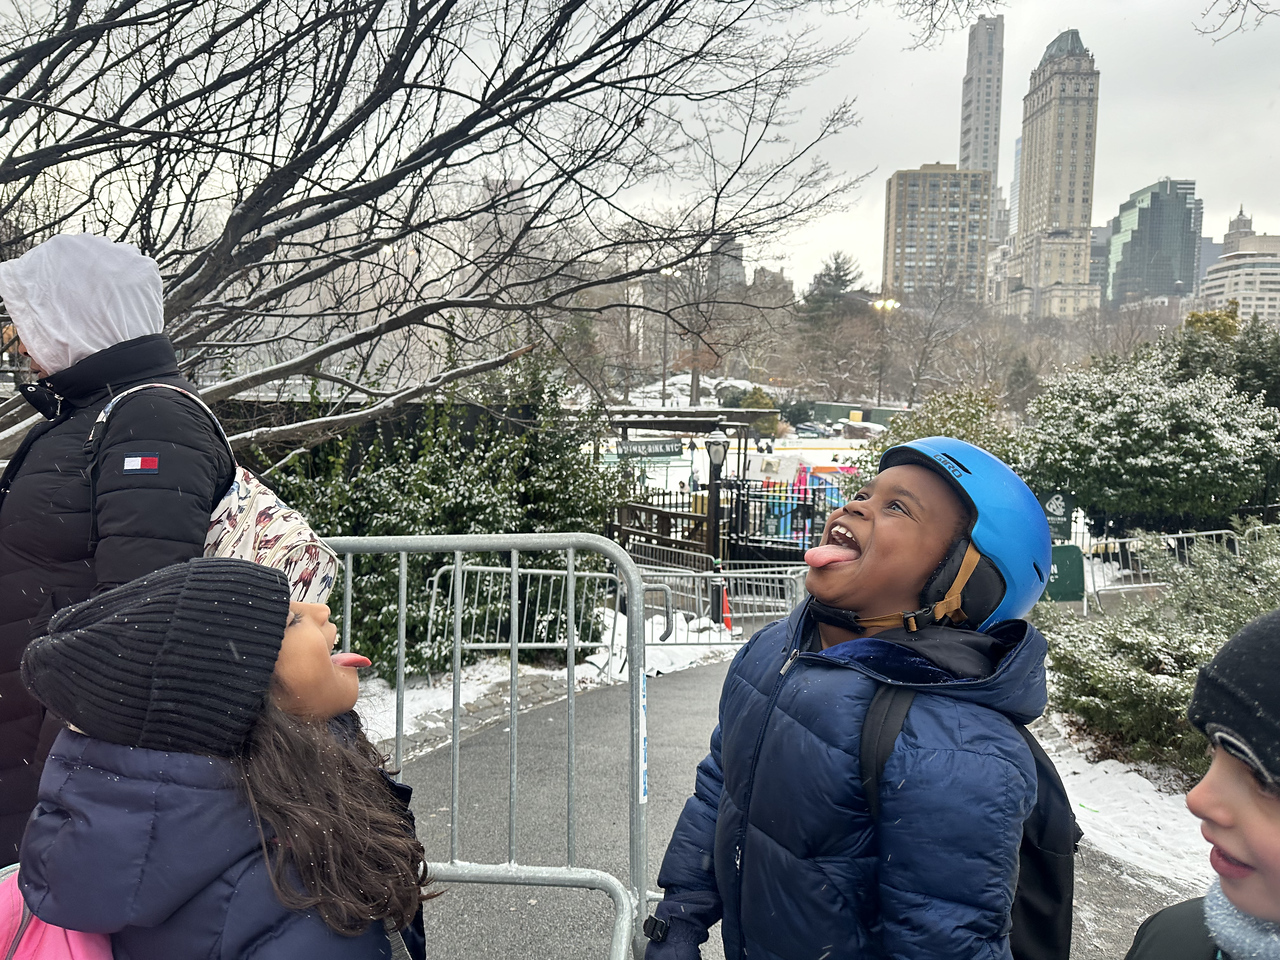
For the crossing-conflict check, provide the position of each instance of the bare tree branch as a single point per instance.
(311, 432)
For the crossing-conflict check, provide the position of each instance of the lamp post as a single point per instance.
(717, 449)
(666, 273)
(882, 308)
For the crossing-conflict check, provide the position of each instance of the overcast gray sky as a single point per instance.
(1172, 102)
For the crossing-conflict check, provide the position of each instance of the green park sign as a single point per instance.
(1066, 576)
(1059, 508)
(651, 448)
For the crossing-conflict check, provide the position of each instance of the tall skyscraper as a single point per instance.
(1055, 185)
(999, 223)
(1015, 188)
(935, 231)
(1099, 255)
(980, 97)
(1155, 243)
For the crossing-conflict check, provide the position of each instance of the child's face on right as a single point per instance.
(1241, 818)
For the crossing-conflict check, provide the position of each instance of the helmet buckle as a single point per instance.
(910, 618)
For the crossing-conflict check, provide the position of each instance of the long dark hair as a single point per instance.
(335, 836)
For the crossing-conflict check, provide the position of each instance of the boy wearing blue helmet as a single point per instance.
(917, 584)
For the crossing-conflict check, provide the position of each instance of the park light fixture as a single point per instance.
(717, 444)
(886, 305)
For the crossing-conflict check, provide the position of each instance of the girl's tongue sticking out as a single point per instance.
(350, 660)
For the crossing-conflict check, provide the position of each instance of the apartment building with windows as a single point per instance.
(936, 230)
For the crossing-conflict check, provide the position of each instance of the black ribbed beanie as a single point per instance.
(1237, 695)
(180, 659)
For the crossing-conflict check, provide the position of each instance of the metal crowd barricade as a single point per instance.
(629, 902)
(756, 596)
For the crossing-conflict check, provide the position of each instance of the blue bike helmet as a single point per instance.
(1009, 531)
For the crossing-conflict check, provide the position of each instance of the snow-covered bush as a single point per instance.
(1129, 676)
(974, 415)
(519, 465)
(1141, 446)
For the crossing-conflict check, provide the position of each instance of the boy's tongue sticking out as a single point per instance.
(841, 546)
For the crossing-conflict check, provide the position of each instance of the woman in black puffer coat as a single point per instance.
(89, 313)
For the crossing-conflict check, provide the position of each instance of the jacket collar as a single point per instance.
(104, 374)
(1016, 687)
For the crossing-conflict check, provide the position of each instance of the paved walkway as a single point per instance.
(525, 923)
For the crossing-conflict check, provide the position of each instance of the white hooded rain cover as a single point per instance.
(75, 295)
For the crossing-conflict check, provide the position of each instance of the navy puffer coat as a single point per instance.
(777, 839)
(159, 850)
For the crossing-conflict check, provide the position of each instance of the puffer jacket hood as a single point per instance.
(75, 295)
(167, 837)
(1017, 687)
(160, 850)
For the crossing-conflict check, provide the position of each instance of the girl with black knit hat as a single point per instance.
(1236, 705)
(213, 795)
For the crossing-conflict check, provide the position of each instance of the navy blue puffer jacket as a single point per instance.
(159, 850)
(777, 839)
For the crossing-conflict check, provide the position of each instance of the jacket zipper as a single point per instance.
(751, 776)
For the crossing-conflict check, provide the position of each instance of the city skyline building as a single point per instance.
(1240, 236)
(1049, 270)
(1015, 189)
(936, 230)
(980, 97)
(1209, 254)
(1154, 250)
(1248, 271)
(1099, 254)
(998, 228)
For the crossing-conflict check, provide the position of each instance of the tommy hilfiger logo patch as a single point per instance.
(142, 463)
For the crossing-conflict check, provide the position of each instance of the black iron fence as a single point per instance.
(759, 521)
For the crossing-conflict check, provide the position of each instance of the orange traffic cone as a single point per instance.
(726, 615)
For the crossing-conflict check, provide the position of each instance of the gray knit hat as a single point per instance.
(180, 659)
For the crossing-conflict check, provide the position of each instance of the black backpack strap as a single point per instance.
(880, 729)
(398, 950)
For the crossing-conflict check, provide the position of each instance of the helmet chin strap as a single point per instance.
(946, 608)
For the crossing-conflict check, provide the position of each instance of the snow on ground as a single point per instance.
(377, 703)
(691, 642)
(1125, 815)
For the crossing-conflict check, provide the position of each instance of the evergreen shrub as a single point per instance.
(1129, 676)
(519, 464)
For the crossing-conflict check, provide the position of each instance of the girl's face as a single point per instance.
(312, 681)
(1241, 818)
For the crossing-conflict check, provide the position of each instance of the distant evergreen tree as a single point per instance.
(828, 293)
(1021, 383)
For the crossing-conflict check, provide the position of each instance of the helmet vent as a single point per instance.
(1039, 572)
(959, 464)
